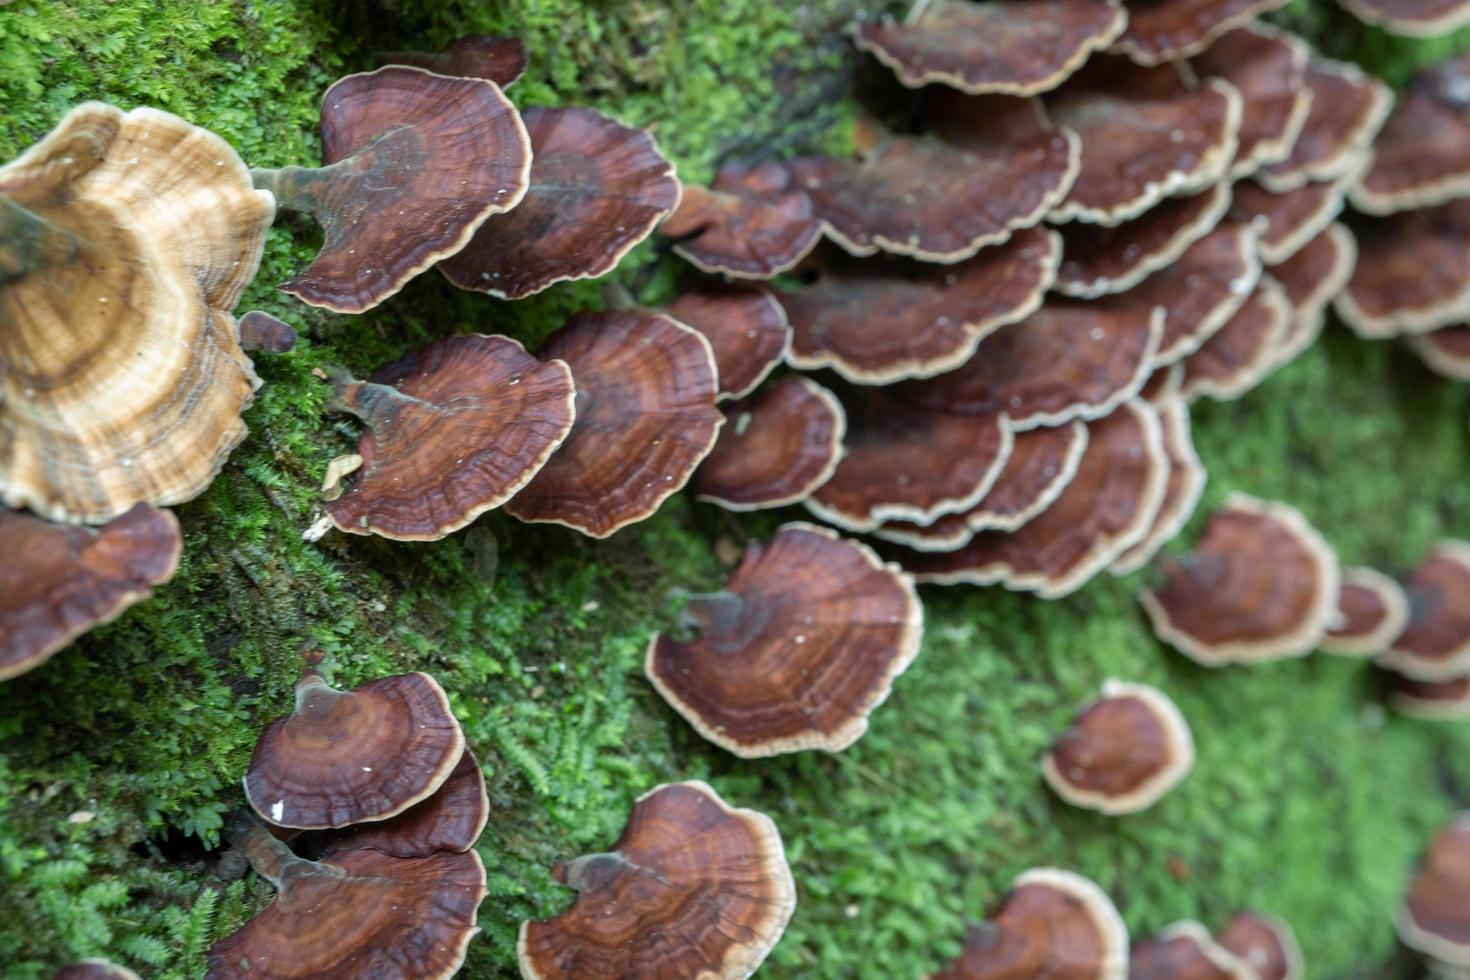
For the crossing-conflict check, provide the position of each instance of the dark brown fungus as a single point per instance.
(1186, 481)
(451, 819)
(750, 224)
(95, 969)
(1435, 916)
(1430, 700)
(1435, 645)
(1412, 274)
(1372, 610)
(1160, 31)
(260, 331)
(1290, 219)
(1264, 943)
(1412, 18)
(1311, 278)
(746, 329)
(1185, 951)
(1422, 154)
(501, 60)
(1446, 351)
(1348, 107)
(1245, 350)
(1268, 68)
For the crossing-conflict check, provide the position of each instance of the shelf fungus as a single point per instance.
(1412, 274)
(1412, 18)
(1261, 584)
(1435, 916)
(128, 239)
(1445, 351)
(1290, 219)
(1421, 157)
(346, 757)
(1268, 68)
(95, 969)
(60, 581)
(746, 329)
(1372, 610)
(355, 913)
(1123, 752)
(1264, 943)
(799, 648)
(879, 321)
(450, 819)
(1146, 134)
(693, 888)
(1435, 645)
(497, 59)
(597, 188)
(1185, 949)
(1052, 923)
(646, 416)
(1241, 353)
(1106, 509)
(776, 447)
(1430, 700)
(1161, 31)
(1182, 489)
(1348, 108)
(1011, 47)
(1311, 278)
(259, 331)
(412, 164)
(751, 223)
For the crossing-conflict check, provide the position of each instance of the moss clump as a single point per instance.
(119, 758)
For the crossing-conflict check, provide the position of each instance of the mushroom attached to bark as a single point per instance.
(1264, 943)
(59, 581)
(128, 238)
(746, 329)
(693, 888)
(346, 757)
(597, 188)
(1268, 68)
(95, 969)
(1245, 350)
(1348, 107)
(776, 447)
(496, 59)
(1435, 645)
(412, 164)
(646, 416)
(1412, 273)
(451, 819)
(1412, 18)
(1012, 47)
(452, 430)
(1311, 278)
(1261, 584)
(1182, 490)
(1372, 610)
(1160, 31)
(1124, 751)
(1422, 154)
(752, 223)
(1185, 951)
(1430, 700)
(1445, 351)
(1435, 916)
(797, 650)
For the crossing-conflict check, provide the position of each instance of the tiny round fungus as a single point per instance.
(1412, 273)
(1268, 68)
(451, 819)
(1160, 31)
(1311, 278)
(1185, 951)
(1347, 109)
(1185, 484)
(501, 60)
(1244, 351)
(1445, 351)
(752, 223)
(1372, 610)
(1435, 916)
(1264, 943)
(259, 331)
(1412, 18)
(95, 969)
(1435, 645)
(1430, 700)
(746, 329)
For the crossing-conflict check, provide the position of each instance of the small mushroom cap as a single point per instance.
(1264, 943)
(96, 969)
(796, 652)
(1435, 645)
(61, 580)
(1430, 700)
(453, 430)
(1290, 219)
(776, 447)
(1311, 278)
(451, 819)
(1348, 107)
(259, 331)
(751, 224)
(1186, 481)
(1146, 135)
(1261, 584)
(1445, 351)
(1185, 951)
(1372, 610)
(1435, 916)
(1053, 923)
(1268, 69)
(1160, 31)
(746, 329)
(1412, 274)
(346, 757)
(882, 321)
(646, 416)
(1244, 351)
(423, 160)
(1412, 18)
(1421, 156)
(1098, 259)
(501, 60)
(1068, 360)
(1013, 47)
(597, 189)
(693, 888)
(123, 378)
(1123, 752)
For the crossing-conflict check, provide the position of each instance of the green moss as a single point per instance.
(1307, 800)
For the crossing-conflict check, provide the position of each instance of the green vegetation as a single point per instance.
(1308, 800)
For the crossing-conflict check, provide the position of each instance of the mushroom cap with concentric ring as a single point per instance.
(1265, 943)
(1435, 916)
(1435, 645)
(1372, 610)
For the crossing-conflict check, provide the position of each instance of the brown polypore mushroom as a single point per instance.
(451, 819)
(776, 447)
(1422, 154)
(259, 331)
(1264, 943)
(1053, 923)
(128, 238)
(797, 650)
(1186, 481)
(1160, 31)
(1348, 107)
(356, 913)
(1243, 351)
(1412, 274)
(1146, 135)
(1261, 584)
(746, 329)
(1013, 47)
(496, 59)
(1430, 700)
(412, 164)
(1412, 18)
(346, 757)
(1445, 351)
(752, 223)
(1123, 752)
(693, 888)
(1185, 951)
(95, 969)
(597, 189)
(1435, 645)
(1372, 610)
(1311, 278)
(1268, 69)
(1435, 916)
(646, 416)
(1290, 219)
(452, 430)
(60, 580)
(881, 321)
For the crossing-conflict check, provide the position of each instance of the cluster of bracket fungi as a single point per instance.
(1093, 214)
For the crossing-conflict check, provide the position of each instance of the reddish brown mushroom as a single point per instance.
(693, 888)
(1348, 107)
(452, 430)
(1185, 484)
(1422, 154)
(751, 224)
(1012, 47)
(1053, 923)
(1372, 610)
(646, 416)
(1160, 31)
(1435, 916)
(95, 969)
(597, 189)
(346, 757)
(1268, 68)
(1185, 951)
(746, 329)
(1123, 752)
(1445, 351)
(413, 163)
(881, 321)
(259, 331)
(797, 650)
(1435, 645)
(59, 581)
(776, 447)
(1261, 584)
(1412, 18)
(451, 819)
(1311, 278)
(496, 59)
(1264, 943)
(1430, 700)
(1288, 220)
(1412, 274)
(1245, 350)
